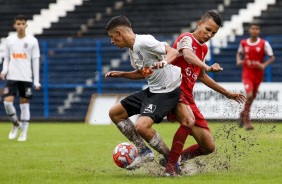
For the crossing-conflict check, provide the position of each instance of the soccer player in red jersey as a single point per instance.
(192, 51)
(254, 50)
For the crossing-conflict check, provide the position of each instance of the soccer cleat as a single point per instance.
(145, 156)
(172, 171)
(249, 127)
(14, 131)
(22, 137)
(163, 161)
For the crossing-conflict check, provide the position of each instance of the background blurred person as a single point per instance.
(251, 54)
(20, 69)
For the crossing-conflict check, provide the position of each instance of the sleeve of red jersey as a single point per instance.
(185, 43)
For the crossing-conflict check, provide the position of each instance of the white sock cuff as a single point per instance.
(155, 140)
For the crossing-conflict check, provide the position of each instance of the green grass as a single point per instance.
(81, 153)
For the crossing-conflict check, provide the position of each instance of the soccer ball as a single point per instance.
(124, 154)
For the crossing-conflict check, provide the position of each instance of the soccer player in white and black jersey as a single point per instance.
(20, 69)
(153, 103)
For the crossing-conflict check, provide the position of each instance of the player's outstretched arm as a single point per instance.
(204, 78)
(134, 75)
(171, 55)
(191, 58)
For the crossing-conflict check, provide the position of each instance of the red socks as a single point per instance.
(177, 145)
(191, 152)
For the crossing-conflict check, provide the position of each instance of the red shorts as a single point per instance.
(200, 121)
(251, 86)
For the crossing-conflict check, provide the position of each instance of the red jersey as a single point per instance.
(189, 72)
(254, 53)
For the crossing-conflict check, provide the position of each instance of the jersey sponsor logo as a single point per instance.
(150, 108)
(252, 63)
(190, 75)
(19, 55)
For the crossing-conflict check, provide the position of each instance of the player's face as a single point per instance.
(254, 31)
(20, 26)
(206, 30)
(117, 38)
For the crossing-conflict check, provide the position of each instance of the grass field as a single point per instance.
(79, 153)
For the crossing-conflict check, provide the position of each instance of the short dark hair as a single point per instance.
(20, 17)
(118, 21)
(214, 15)
(254, 24)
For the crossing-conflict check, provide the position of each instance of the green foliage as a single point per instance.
(81, 153)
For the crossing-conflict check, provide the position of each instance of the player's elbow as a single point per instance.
(272, 58)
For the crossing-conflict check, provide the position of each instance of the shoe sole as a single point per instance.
(137, 166)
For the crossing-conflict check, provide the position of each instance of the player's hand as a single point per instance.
(240, 63)
(238, 97)
(214, 68)
(114, 74)
(37, 86)
(159, 64)
(3, 76)
(260, 66)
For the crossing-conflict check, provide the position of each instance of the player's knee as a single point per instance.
(140, 128)
(188, 122)
(209, 149)
(114, 115)
(111, 113)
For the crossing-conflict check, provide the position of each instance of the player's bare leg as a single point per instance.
(119, 116)
(241, 120)
(246, 111)
(12, 114)
(144, 128)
